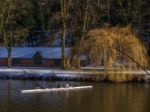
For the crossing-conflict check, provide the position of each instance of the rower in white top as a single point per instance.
(67, 85)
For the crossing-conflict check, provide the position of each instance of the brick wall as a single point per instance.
(30, 62)
(27, 62)
(3, 62)
(48, 63)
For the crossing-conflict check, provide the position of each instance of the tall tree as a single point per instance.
(84, 18)
(64, 13)
(12, 24)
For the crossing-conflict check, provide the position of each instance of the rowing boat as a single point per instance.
(56, 89)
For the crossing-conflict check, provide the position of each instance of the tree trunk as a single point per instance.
(63, 50)
(64, 18)
(108, 12)
(78, 60)
(84, 30)
(9, 57)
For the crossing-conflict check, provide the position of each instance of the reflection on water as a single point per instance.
(104, 97)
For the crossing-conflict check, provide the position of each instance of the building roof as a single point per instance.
(29, 52)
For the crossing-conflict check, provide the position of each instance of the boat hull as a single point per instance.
(56, 89)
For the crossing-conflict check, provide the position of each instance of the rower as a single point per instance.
(67, 85)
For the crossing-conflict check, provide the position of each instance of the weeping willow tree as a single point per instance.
(117, 48)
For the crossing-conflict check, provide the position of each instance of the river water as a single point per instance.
(104, 97)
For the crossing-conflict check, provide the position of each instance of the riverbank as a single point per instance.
(73, 75)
